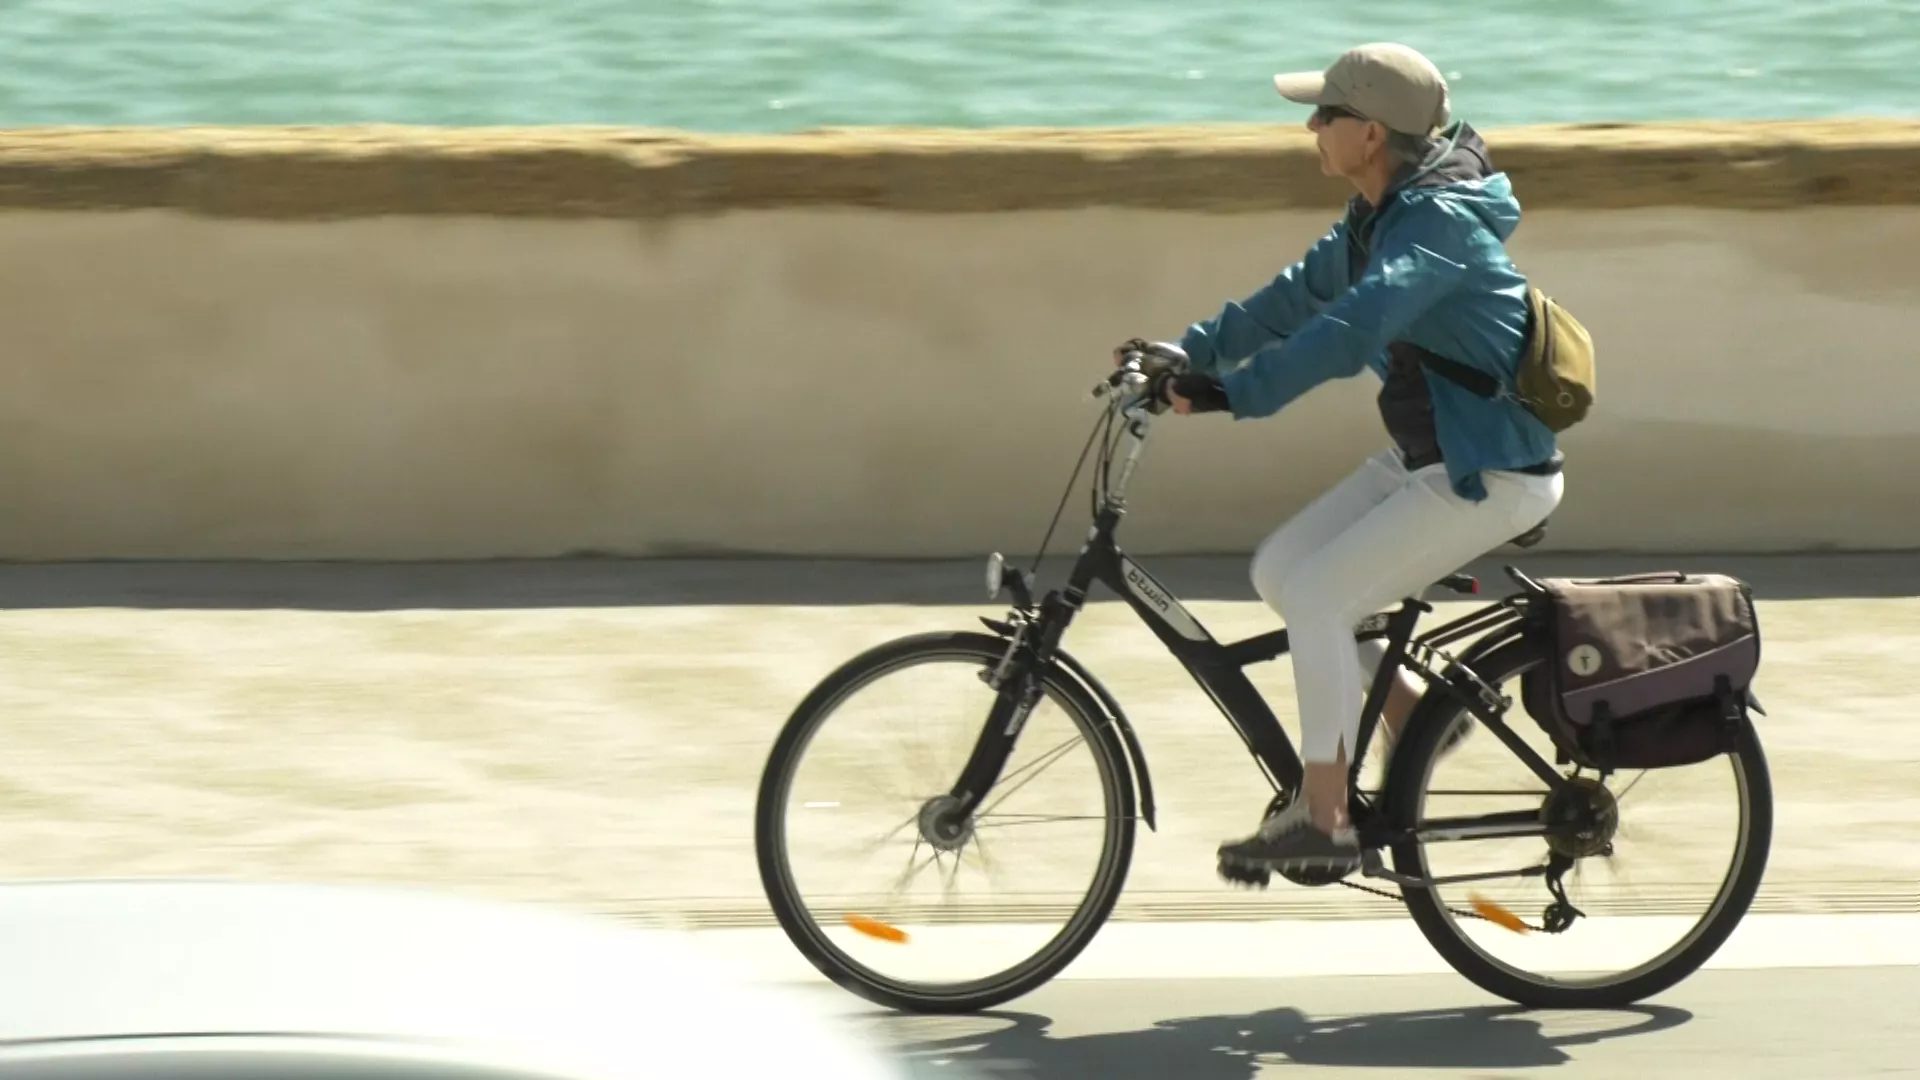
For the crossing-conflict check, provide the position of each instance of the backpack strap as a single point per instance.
(1472, 379)
(1533, 334)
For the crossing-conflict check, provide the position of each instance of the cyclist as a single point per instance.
(1415, 268)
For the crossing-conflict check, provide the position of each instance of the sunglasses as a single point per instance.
(1327, 114)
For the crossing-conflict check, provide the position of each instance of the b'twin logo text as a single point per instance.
(1146, 591)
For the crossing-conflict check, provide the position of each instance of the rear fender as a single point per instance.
(1432, 702)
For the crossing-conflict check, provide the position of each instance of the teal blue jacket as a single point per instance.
(1430, 268)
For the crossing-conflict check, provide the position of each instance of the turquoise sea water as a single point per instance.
(776, 65)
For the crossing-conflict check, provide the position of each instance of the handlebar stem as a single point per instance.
(1139, 426)
(1136, 378)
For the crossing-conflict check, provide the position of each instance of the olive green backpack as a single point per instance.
(1554, 379)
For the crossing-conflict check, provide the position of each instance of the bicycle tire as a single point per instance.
(1406, 786)
(805, 933)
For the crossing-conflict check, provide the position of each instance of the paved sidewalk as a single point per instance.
(591, 733)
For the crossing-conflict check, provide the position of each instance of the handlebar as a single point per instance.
(1140, 375)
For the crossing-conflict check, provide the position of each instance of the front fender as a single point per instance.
(1142, 782)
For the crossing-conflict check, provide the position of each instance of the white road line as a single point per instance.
(1347, 947)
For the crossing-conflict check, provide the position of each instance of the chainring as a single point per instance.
(1260, 877)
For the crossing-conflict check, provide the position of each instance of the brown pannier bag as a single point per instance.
(1650, 671)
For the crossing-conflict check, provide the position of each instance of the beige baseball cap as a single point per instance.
(1381, 81)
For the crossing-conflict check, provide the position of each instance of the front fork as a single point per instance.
(1017, 682)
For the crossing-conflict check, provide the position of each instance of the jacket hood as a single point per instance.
(1460, 169)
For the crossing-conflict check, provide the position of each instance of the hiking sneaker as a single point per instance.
(1290, 841)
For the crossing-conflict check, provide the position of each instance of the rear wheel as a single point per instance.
(1661, 885)
(853, 814)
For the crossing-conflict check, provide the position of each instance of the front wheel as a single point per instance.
(1665, 862)
(865, 868)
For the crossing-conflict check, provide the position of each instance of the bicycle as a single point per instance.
(1020, 660)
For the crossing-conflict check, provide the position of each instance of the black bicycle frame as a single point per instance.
(1218, 668)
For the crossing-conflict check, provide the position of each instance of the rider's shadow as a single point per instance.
(1235, 1047)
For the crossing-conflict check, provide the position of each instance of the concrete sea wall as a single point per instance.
(395, 343)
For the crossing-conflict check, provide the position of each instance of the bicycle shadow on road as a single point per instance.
(1238, 1047)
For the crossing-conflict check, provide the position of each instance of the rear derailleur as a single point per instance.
(1560, 914)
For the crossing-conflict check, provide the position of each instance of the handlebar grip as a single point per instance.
(1145, 371)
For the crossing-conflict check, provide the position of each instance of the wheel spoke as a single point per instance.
(904, 730)
(1620, 798)
(873, 846)
(912, 871)
(1001, 821)
(985, 858)
(919, 764)
(1034, 767)
(1613, 962)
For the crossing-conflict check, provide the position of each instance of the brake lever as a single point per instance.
(1142, 373)
(1128, 373)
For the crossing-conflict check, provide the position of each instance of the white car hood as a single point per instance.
(93, 959)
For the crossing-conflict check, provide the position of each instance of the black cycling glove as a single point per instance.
(1204, 391)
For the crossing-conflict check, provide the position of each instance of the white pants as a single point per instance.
(1379, 536)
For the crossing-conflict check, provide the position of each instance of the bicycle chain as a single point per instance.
(1455, 911)
(1559, 901)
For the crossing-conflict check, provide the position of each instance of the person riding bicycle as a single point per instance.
(1416, 268)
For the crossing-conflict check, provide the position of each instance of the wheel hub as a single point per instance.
(942, 824)
(1581, 818)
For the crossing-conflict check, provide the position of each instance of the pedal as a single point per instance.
(1316, 877)
(1258, 877)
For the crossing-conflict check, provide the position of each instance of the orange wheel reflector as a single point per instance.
(1498, 915)
(874, 928)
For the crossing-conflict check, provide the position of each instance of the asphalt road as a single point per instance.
(1752, 1024)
